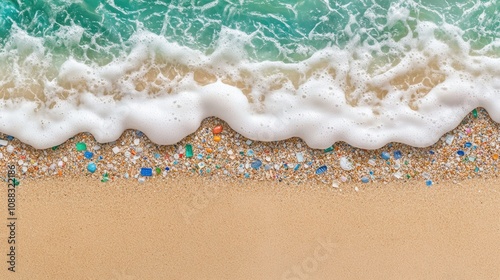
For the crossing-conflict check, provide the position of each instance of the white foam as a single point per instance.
(323, 109)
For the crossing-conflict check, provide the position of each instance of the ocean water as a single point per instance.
(364, 72)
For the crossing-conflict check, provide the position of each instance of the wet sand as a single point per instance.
(193, 228)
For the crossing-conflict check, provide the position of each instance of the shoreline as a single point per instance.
(469, 151)
(197, 228)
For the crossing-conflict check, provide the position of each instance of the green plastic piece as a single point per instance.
(327, 150)
(189, 151)
(80, 146)
(105, 178)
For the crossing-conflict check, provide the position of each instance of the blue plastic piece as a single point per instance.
(385, 155)
(91, 167)
(256, 164)
(321, 170)
(146, 171)
(88, 154)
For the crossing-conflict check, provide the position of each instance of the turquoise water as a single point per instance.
(280, 29)
(365, 72)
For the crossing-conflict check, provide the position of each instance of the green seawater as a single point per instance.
(279, 29)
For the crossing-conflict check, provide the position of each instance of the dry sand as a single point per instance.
(195, 229)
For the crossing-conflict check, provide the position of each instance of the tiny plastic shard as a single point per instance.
(385, 155)
(91, 167)
(116, 150)
(449, 139)
(145, 171)
(322, 169)
(335, 184)
(397, 154)
(88, 155)
(3, 142)
(137, 141)
(10, 149)
(346, 164)
(80, 146)
(329, 149)
(300, 157)
(256, 164)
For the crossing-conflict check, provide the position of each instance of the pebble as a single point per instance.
(365, 179)
(217, 129)
(189, 150)
(249, 142)
(3, 142)
(137, 141)
(116, 150)
(217, 138)
(10, 149)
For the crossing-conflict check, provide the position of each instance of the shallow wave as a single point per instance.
(411, 86)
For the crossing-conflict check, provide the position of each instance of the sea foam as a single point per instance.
(367, 93)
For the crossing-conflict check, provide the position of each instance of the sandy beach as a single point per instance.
(211, 229)
(220, 206)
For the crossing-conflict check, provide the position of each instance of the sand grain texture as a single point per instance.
(195, 229)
